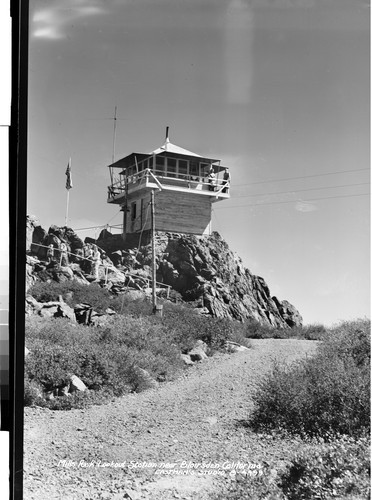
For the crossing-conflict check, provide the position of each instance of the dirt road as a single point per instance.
(181, 440)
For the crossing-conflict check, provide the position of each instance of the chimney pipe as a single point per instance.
(167, 135)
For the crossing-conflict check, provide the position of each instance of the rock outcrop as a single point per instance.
(201, 269)
(204, 270)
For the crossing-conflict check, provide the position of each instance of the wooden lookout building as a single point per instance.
(185, 184)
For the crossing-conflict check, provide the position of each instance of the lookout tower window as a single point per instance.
(133, 210)
(171, 166)
(182, 168)
(194, 169)
(160, 165)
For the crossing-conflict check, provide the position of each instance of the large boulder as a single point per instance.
(288, 312)
(199, 351)
(76, 384)
(55, 309)
(35, 235)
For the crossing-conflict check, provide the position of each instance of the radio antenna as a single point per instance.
(114, 137)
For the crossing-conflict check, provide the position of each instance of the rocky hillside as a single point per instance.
(202, 269)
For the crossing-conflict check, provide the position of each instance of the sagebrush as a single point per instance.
(322, 470)
(326, 394)
(107, 357)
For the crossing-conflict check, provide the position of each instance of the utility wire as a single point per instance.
(219, 226)
(305, 176)
(293, 201)
(302, 190)
(117, 213)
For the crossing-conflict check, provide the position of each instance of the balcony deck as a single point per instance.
(149, 179)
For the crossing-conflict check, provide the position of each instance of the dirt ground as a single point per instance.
(185, 439)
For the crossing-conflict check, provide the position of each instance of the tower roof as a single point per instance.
(167, 147)
(172, 148)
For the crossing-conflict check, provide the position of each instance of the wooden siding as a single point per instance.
(175, 212)
(182, 212)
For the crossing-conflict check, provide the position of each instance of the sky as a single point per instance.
(277, 89)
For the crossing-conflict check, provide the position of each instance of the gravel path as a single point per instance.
(162, 443)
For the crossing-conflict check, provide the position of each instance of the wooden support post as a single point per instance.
(153, 251)
(125, 208)
(156, 308)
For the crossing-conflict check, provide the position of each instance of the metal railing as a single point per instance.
(192, 182)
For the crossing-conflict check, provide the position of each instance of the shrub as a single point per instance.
(32, 393)
(251, 488)
(51, 366)
(314, 332)
(124, 304)
(255, 330)
(76, 400)
(349, 339)
(339, 469)
(328, 393)
(185, 325)
(103, 358)
(73, 293)
(108, 357)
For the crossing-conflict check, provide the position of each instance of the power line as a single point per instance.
(108, 223)
(219, 227)
(305, 176)
(302, 190)
(293, 201)
(216, 219)
(117, 213)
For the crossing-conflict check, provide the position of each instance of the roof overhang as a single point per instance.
(169, 150)
(129, 160)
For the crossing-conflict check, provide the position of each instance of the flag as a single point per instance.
(68, 175)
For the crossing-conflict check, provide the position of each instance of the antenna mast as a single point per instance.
(114, 137)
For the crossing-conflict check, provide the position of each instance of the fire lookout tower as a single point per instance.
(186, 185)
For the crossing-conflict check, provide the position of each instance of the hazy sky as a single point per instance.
(278, 89)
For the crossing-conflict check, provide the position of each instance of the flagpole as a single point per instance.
(68, 199)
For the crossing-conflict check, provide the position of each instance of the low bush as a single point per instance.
(98, 297)
(33, 393)
(255, 330)
(186, 326)
(72, 401)
(339, 469)
(349, 339)
(125, 304)
(108, 358)
(319, 396)
(103, 358)
(74, 293)
(250, 488)
(311, 332)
